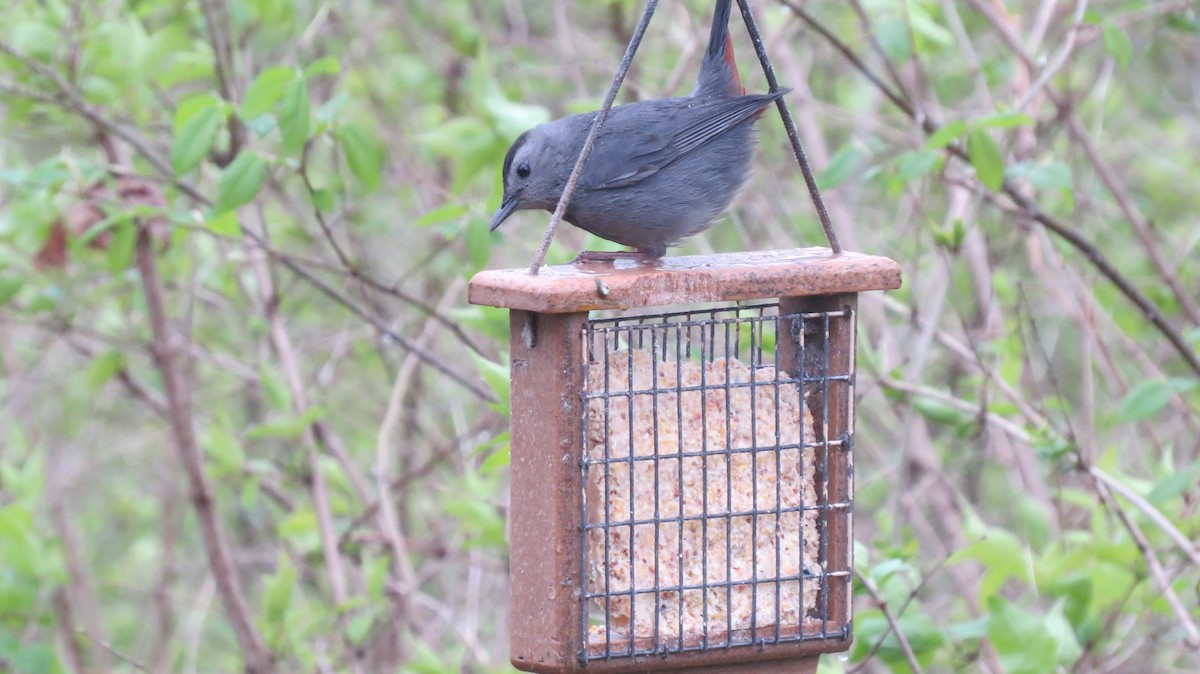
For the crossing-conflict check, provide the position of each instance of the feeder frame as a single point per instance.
(549, 314)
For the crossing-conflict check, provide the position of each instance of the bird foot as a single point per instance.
(612, 256)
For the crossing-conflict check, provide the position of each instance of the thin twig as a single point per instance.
(115, 653)
(353, 271)
(1160, 520)
(893, 623)
(1182, 613)
(1066, 108)
(896, 98)
(216, 17)
(281, 344)
(590, 142)
(382, 329)
(977, 409)
(1060, 58)
(864, 23)
(1033, 211)
(72, 100)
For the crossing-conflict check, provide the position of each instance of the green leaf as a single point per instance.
(323, 199)
(287, 428)
(951, 237)
(329, 109)
(364, 154)
(939, 412)
(1020, 639)
(1145, 400)
(946, 135)
(840, 167)
(923, 636)
(512, 119)
(479, 244)
(1004, 120)
(1028, 643)
(1117, 44)
(1059, 628)
(969, 630)
(500, 457)
(892, 34)
(240, 181)
(276, 393)
(1052, 175)
(294, 116)
(224, 450)
(300, 530)
(444, 213)
(1004, 556)
(103, 368)
(986, 158)
(265, 91)
(19, 548)
(277, 594)
(121, 245)
(326, 65)
(38, 658)
(1174, 485)
(250, 490)
(225, 224)
(913, 164)
(194, 138)
(359, 626)
(375, 573)
(9, 287)
(496, 375)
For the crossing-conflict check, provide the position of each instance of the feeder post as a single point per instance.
(806, 665)
(546, 355)
(827, 357)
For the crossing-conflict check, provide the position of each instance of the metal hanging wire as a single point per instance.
(619, 77)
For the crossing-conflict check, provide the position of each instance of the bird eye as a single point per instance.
(523, 169)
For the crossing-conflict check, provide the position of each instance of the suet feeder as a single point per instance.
(682, 459)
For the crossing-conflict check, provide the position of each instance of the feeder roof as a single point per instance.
(627, 284)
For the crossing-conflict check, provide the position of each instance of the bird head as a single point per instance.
(534, 173)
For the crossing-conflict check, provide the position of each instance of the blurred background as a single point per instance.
(248, 421)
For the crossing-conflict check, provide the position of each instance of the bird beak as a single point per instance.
(506, 209)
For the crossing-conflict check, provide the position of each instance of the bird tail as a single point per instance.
(718, 72)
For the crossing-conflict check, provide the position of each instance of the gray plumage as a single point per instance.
(661, 170)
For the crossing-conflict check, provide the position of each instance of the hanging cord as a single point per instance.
(590, 141)
(755, 37)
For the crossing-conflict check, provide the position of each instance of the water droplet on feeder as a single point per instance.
(843, 657)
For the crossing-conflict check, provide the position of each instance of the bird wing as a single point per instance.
(639, 143)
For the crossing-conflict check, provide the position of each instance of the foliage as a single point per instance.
(250, 222)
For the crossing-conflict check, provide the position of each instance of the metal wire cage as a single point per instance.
(681, 480)
(709, 519)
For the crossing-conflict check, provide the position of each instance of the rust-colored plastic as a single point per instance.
(545, 625)
(546, 351)
(835, 471)
(628, 284)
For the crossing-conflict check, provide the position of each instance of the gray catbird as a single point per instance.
(661, 169)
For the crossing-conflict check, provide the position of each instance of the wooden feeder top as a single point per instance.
(627, 284)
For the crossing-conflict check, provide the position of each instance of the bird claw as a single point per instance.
(612, 256)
